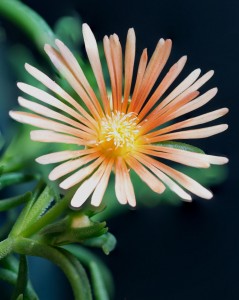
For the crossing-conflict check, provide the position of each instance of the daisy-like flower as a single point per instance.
(127, 129)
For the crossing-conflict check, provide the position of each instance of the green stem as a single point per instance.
(86, 258)
(81, 290)
(9, 203)
(29, 21)
(11, 277)
(6, 247)
(52, 214)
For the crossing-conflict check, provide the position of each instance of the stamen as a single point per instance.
(118, 132)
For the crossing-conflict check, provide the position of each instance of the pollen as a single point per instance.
(118, 133)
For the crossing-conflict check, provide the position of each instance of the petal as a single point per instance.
(102, 185)
(81, 174)
(35, 120)
(151, 164)
(184, 159)
(71, 165)
(62, 67)
(53, 86)
(87, 187)
(79, 74)
(46, 112)
(208, 117)
(60, 156)
(187, 182)
(129, 65)
(128, 186)
(191, 134)
(93, 55)
(184, 85)
(163, 86)
(140, 74)
(145, 175)
(116, 51)
(109, 60)
(47, 136)
(119, 182)
(157, 151)
(154, 68)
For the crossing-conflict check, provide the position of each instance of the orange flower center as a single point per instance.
(118, 134)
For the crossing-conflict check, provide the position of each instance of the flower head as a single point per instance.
(126, 130)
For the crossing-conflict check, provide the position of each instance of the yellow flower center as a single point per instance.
(118, 134)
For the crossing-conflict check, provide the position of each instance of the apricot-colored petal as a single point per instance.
(93, 55)
(87, 187)
(151, 164)
(129, 189)
(191, 134)
(60, 156)
(100, 189)
(119, 182)
(163, 86)
(128, 65)
(79, 74)
(45, 123)
(71, 165)
(46, 112)
(80, 175)
(140, 74)
(145, 175)
(202, 119)
(62, 67)
(187, 182)
(154, 68)
(52, 85)
(48, 136)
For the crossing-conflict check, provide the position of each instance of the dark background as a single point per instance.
(191, 251)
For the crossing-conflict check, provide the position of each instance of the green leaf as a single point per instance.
(62, 258)
(86, 257)
(74, 228)
(19, 224)
(180, 146)
(100, 291)
(38, 208)
(14, 178)
(29, 21)
(2, 142)
(106, 241)
(22, 278)
(5, 247)
(11, 277)
(10, 262)
(68, 29)
(9, 203)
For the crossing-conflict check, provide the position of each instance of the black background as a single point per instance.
(191, 251)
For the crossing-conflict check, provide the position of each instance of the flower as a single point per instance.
(128, 129)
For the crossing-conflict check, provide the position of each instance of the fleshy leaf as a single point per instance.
(22, 279)
(27, 19)
(67, 29)
(99, 289)
(180, 146)
(14, 178)
(107, 242)
(62, 233)
(6, 204)
(86, 257)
